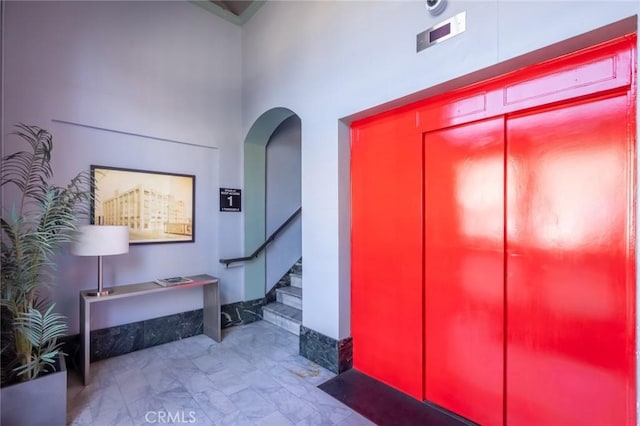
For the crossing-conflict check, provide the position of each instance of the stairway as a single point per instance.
(286, 311)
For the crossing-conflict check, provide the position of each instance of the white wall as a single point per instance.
(283, 182)
(329, 60)
(174, 71)
(169, 70)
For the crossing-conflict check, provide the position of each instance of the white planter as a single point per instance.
(42, 401)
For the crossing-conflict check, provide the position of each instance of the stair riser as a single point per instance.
(289, 299)
(285, 323)
(296, 281)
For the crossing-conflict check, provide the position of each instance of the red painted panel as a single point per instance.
(460, 107)
(600, 69)
(386, 257)
(570, 266)
(464, 269)
(573, 79)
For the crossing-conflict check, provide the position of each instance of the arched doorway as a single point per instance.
(255, 195)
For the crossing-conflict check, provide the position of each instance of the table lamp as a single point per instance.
(100, 240)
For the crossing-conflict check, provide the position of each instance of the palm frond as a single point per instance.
(41, 330)
(30, 170)
(33, 230)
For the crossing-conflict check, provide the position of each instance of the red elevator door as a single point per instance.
(464, 269)
(570, 266)
(493, 245)
(386, 251)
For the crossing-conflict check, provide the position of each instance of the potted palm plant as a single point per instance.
(38, 219)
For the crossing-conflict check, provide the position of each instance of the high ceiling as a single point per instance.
(237, 7)
(236, 11)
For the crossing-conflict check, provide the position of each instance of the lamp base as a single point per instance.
(99, 293)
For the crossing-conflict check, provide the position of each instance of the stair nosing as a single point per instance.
(273, 308)
(291, 291)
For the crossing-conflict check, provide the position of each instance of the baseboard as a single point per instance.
(123, 339)
(334, 355)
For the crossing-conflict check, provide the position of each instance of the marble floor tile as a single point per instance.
(252, 404)
(356, 419)
(143, 410)
(161, 382)
(290, 380)
(253, 377)
(183, 370)
(275, 419)
(79, 415)
(295, 409)
(331, 410)
(255, 358)
(228, 381)
(102, 373)
(134, 386)
(105, 399)
(112, 416)
(235, 419)
(261, 381)
(197, 383)
(216, 404)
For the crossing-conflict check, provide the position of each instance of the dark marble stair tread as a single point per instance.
(284, 311)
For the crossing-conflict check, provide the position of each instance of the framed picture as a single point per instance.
(157, 207)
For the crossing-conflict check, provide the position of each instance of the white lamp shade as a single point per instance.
(100, 240)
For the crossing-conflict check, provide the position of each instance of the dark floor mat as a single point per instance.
(384, 405)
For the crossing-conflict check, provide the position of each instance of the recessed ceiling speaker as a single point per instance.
(436, 7)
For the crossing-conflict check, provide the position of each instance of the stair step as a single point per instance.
(296, 280)
(290, 296)
(286, 317)
(297, 267)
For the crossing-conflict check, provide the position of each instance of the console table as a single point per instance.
(211, 309)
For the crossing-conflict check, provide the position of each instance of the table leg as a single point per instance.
(211, 311)
(85, 330)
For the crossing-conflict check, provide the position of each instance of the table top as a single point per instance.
(149, 287)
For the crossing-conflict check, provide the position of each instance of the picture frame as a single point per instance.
(158, 207)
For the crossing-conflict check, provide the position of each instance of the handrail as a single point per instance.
(262, 246)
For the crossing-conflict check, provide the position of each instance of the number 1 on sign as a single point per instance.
(230, 198)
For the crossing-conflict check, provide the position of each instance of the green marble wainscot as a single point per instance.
(122, 339)
(241, 312)
(334, 355)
